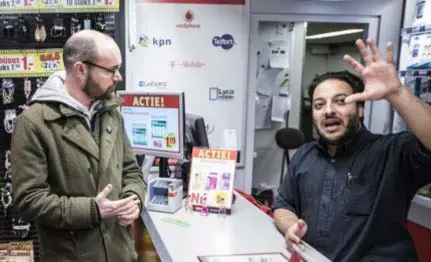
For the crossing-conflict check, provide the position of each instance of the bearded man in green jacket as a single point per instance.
(73, 170)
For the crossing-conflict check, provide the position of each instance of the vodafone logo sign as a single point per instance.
(188, 18)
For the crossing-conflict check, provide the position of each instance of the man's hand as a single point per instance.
(127, 217)
(379, 75)
(295, 233)
(108, 208)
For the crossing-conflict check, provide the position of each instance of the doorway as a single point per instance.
(277, 37)
(326, 44)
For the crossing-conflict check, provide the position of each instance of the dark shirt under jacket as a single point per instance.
(356, 203)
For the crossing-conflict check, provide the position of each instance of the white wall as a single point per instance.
(319, 64)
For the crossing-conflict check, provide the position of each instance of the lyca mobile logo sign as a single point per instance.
(216, 93)
(160, 42)
(225, 41)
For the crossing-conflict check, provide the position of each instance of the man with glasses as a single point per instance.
(74, 171)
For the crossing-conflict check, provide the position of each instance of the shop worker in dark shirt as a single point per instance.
(348, 193)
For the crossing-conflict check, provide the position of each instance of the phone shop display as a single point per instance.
(154, 122)
(32, 34)
(211, 180)
(415, 65)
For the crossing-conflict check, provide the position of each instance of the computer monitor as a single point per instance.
(196, 131)
(195, 136)
(155, 124)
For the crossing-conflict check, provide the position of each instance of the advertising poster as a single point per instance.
(153, 123)
(201, 49)
(30, 63)
(212, 176)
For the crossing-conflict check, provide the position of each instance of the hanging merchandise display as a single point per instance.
(37, 31)
(415, 71)
(40, 32)
(422, 15)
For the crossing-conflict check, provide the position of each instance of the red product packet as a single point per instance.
(296, 257)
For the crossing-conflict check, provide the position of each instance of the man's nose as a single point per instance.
(118, 77)
(329, 109)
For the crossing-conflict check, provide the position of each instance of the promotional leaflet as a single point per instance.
(264, 257)
(154, 123)
(212, 176)
(30, 63)
(58, 6)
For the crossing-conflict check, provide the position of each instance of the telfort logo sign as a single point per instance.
(188, 18)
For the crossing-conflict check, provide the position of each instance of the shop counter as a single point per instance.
(420, 211)
(183, 236)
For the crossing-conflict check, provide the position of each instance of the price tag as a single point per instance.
(48, 3)
(90, 3)
(16, 63)
(17, 3)
(171, 140)
(30, 63)
(50, 61)
(157, 143)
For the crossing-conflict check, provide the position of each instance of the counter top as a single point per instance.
(420, 211)
(246, 230)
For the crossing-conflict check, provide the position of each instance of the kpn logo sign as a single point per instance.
(146, 41)
(225, 41)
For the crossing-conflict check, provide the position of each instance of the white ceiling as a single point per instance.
(320, 28)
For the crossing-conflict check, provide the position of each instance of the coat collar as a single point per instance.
(78, 135)
(54, 110)
(362, 136)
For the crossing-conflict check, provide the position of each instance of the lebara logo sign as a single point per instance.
(157, 84)
(188, 18)
(225, 41)
(159, 42)
(216, 93)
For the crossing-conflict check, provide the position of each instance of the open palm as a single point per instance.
(380, 76)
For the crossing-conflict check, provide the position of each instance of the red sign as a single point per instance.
(296, 257)
(215, 154)
(158, 101)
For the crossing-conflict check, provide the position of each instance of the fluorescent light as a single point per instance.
(336, 33)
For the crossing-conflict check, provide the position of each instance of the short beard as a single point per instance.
(353, 125)
(94, 92)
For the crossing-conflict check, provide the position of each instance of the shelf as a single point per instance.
(422, 201)
(415, 72)
(420, 211)
(416, 30)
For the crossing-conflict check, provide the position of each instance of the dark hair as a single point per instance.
(78, 49)
(354, 81)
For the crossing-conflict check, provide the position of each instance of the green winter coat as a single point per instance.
(59, 165)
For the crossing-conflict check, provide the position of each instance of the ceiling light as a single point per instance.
(336, 33)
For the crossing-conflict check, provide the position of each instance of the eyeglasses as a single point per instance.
(112, 71)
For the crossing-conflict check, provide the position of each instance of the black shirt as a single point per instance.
(356, 203)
